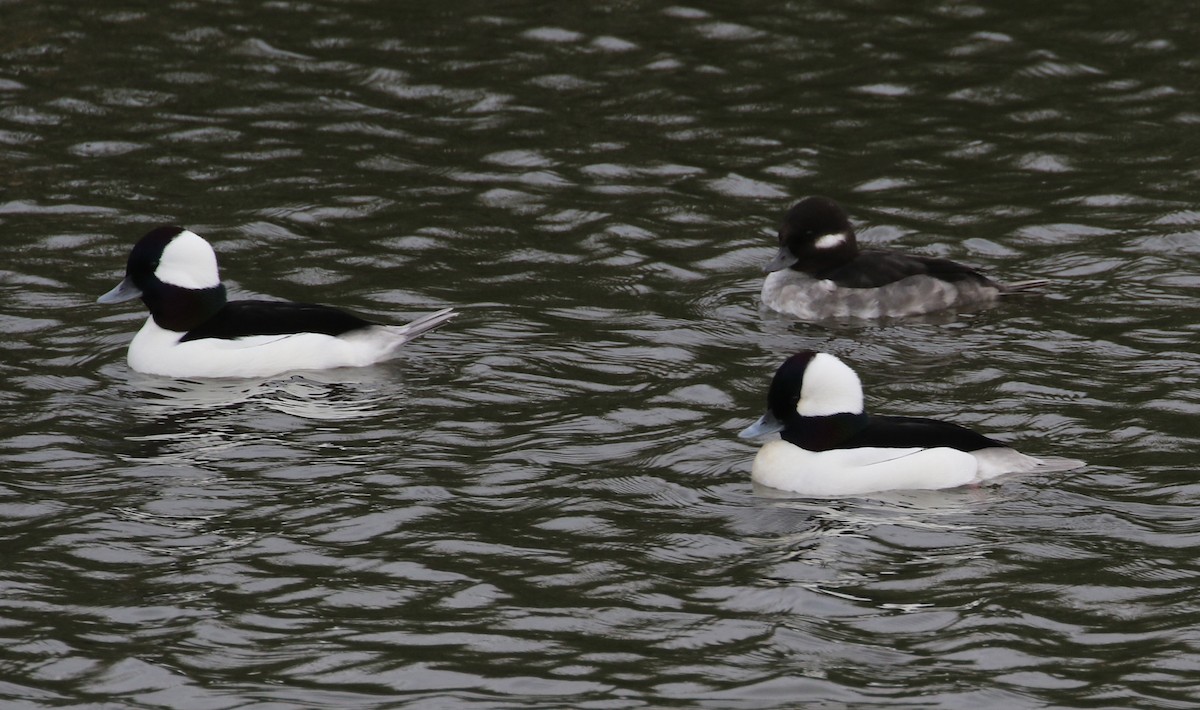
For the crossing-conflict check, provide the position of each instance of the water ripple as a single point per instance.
(545, 503)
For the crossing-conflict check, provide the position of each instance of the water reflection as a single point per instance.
(277, 421)
(330, 395)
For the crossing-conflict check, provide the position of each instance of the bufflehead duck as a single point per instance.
(193, 331)
(830, 447)
(820, 273)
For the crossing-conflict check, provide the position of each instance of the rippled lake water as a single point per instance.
(545, 504)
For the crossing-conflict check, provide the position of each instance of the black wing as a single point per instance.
(900, 432)
(239, 319)
(873, 268)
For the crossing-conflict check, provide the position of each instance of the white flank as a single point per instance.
(157, 351)
(797, 294)
(842, 472)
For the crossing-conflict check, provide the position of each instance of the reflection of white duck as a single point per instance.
(820, 273)
(321, 395)
(193, 331)
(829, 446)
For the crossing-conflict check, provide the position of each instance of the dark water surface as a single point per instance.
(544, 504)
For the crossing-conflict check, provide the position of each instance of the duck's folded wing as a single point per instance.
(891, 431)
(241, 319)
(873, 268)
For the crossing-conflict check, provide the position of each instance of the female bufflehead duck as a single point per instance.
(820, 273)
(193, 331)
(829, 446)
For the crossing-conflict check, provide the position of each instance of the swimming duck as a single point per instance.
(829, 446)
(193, 331)
(820, 273)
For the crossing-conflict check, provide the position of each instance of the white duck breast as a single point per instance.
(823, 452)
(193, 331)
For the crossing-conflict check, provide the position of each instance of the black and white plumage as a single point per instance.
(830, 446)
(820, 273)
(194, 331)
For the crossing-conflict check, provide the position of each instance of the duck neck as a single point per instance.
(182, 309)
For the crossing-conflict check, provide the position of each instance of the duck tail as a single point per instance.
(425, 323)
(1021, 287)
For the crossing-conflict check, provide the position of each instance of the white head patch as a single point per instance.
(188, 261)
(830, 241)
(829, 387)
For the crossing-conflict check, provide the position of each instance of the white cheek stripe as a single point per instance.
(829, 241)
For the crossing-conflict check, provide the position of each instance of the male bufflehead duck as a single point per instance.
(830, 447)
(193, 331)
(820, 273)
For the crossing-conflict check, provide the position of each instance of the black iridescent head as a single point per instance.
(147, 253)
(810, 388)
(175, 273)
(816, 234)
(787, 385)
